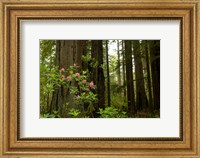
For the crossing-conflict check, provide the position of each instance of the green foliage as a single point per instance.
(111, 112)
(74, 113)
(79, 85)
(47, 72)
(47, 115)
(47, 52)
(82, 90)
(118, 101)
(92, 62)
(53, 115)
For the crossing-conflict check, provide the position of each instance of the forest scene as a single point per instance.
(99, 78)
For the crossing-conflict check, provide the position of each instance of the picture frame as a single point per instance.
(14, 11)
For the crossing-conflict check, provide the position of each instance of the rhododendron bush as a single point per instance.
(80, 88)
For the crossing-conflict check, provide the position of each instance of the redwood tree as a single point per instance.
(118, 65)
(155, 69)
(108, 77)
(97, 72)
(129, 78)
(141, 98)
(68, 53)
(145, 44)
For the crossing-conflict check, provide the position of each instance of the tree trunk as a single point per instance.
(155, 68)
(81, 49)
(97, 72)
(129, 77)
(148, 76)
(108, 76)
(118, 65)
(68, 52)
(141, 98)
(123, 68)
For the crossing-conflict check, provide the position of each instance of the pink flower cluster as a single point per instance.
(68, 78)
(91, 84)
(77, 74)
(87, 89)
(62, 69)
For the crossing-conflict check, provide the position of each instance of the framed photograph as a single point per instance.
(99, 79)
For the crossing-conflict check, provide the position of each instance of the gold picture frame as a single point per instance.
(14, 11)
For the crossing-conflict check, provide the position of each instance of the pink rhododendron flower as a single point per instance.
(77, 74)
(62, 76)
(91, 84)
(87, 89)
(62, 69)
(68, 78)
(74, 65)
(84, 81)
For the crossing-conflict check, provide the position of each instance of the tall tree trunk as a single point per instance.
(148, 76)
(155, 68)
(141, 98)
(108, 75)
(82, 49)
(129, 77)
(68, 52)
(94, 56)
(118, 65)
(97, 74)
(123, 68)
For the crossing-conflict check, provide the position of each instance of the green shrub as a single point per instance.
(53, 115)
(111, 112)
(74, 113)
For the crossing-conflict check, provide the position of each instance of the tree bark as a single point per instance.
(118, 65)
(141, 98)
(97, 74)
(148, 76)
(155, 68)
(129, 77)
(123, 68)
(68, 53)
(108, 76)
